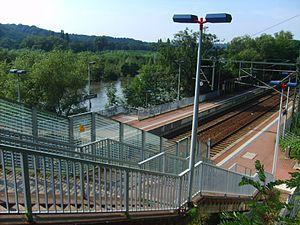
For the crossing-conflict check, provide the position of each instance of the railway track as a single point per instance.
(227, 129)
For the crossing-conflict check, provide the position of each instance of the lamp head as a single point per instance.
(13, 71)
(185, 18)
(21, 71)
(291, 84)
(275, 82)
(218, 18)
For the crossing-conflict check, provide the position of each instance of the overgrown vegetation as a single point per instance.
(57, 64)
(56, 80)
(266, 208)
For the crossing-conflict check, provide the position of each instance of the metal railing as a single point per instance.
(78, 129)
(144, 113)
(64, 184)
(69, 165)
(46, 182)
(166, 163)
(241, 169)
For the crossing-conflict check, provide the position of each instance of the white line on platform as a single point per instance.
(241, 148)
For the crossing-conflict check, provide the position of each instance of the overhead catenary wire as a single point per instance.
(268, 28)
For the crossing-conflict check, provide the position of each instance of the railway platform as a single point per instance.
(258, 144)
(182, 116)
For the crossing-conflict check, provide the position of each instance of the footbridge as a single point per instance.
(89, 168)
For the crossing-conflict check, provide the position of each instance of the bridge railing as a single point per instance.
(144, 113)
(116, 152)
(43, 182)
(166, 163)
(106, 150)
(78, 129)
(55, 183)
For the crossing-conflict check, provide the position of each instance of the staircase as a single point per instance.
(87, 164)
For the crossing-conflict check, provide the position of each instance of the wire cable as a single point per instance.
(284, 21)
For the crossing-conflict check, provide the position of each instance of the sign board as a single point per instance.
(90, 96)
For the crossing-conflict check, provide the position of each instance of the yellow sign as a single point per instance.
(81, 128)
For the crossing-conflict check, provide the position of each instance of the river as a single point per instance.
(99, 88)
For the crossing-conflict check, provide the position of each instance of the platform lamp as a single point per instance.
(286, 74)
(188, 18)
(283, 86)
(89, 82)
(18, 72)
(179, 62)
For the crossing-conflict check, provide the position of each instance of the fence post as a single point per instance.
(179, 193)
(108, 149)
(143, 145)
(164, 163)
(160, 144)
(71, 130)
(25, 177)
(93, 127)
(126, 192)
(35, 132)
(121, 139)
(227, 181)
(208, 148)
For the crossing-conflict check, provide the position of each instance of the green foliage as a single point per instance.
(264, 211)
(195, 217)
(294, 144)
(157, 81)
(151, 87)
(21, 36)
(55, 81)
(59, 80)
(280, 47)
(295, 126)
(111, 95)
(44, 43)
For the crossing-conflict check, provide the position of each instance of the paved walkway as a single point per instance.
(260, 143)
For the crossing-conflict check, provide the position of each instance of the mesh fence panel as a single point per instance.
(107, 128)
(53, 127)
(152, 142)
(132, 136)
(15, 117)
(82, 127)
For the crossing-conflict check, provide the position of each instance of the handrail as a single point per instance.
(43, 139)
(151, 158)
(79, 160)
(64, 151)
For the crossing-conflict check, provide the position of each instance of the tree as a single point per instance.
(101, 43)
(152, 86)
(58, 82)
(185, 46)
(130, 69)
(111, 72)
(111, 95)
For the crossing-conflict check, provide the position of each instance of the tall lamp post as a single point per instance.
(18, 72)
(187, 18)
(286, 107)
(89, 82)
(179, 62)
(275, 157)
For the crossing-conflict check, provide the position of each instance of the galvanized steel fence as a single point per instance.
(53, 164)
(43, 182)
(79, 129)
